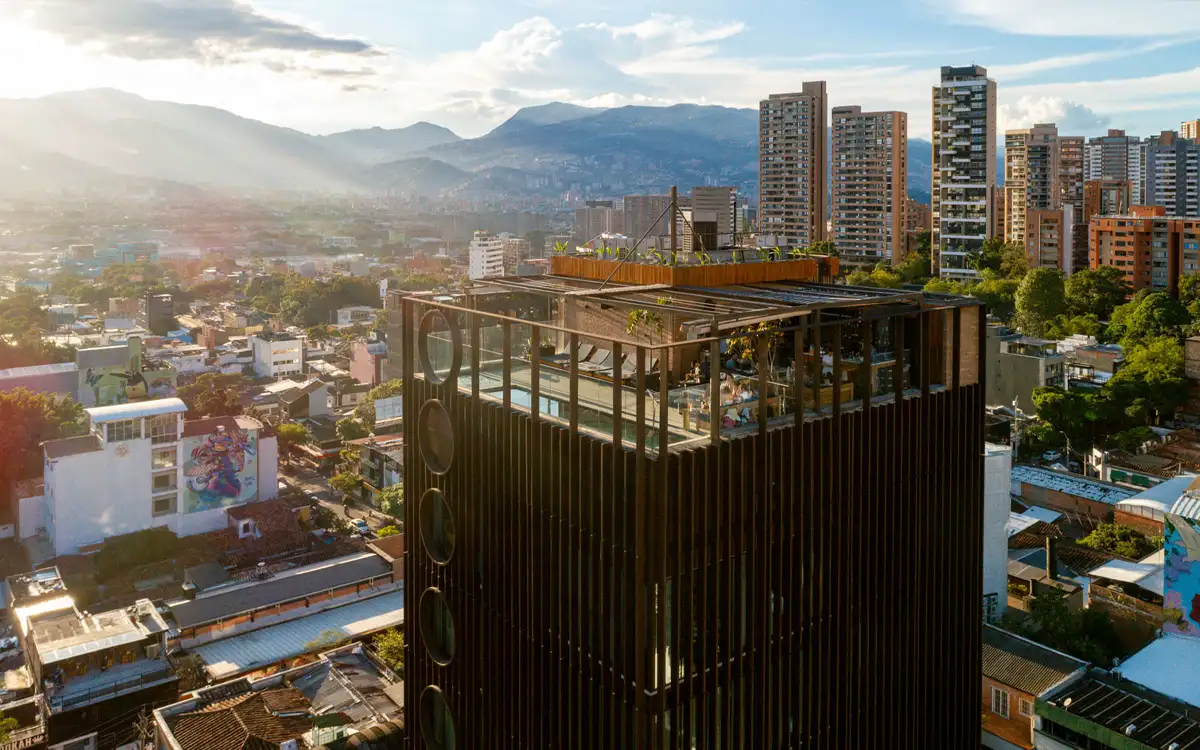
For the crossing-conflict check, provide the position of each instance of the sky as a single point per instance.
(327, 65)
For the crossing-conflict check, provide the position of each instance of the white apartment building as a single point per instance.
(1117, 156)
(277, 355)
(964, 166)
(486, 256)
(1172, 166)
(142, 465)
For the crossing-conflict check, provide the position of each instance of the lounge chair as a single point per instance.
(598, 361)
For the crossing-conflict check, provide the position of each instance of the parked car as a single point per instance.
(361, 527)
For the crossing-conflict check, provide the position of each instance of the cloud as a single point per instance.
(1096, 18)
(664, 27)
(1071, 117)
(211, 31)
(1033, 67)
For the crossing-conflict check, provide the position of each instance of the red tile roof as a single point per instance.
(208, 426)
(245, 721)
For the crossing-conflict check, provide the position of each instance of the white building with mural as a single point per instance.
(143, 465)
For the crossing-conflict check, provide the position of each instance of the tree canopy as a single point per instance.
(1097, 291)
(391, 500)
(1087, 634)
(1148, 316)
(350, 428)
(389, 645)
(309, 302)
(1122, 540)
(290, 436)
(1040, 300)
(213, 395)
(28, 420)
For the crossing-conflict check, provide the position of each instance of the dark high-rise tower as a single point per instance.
(764, 540)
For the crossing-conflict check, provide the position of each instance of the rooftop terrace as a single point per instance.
(653, 364)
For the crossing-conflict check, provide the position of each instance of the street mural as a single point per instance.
(220, 470)
(1181, 575)
(105, 386)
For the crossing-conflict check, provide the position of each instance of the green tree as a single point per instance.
(914, 268)
(1014, 263)
(28, 419)
(1152, 378)
(213, 395)
(290, 436)
(824, 247)
(387, 531)
(879, 277)
(1087, 634)
(1086, 325)
(1000, 296)
(1189, 289)
(1039, 300)
(389, 646)
(346, 483)
(1155, 315)
(350, 428)
(1097, 292)
(365, 411)
(319, 333)
(391, 501)
(1122, 540)
(988, 257)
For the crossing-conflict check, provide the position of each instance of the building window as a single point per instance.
(126, 429)
(1026, 707)
(163, 459)
(1000, 702)
(163, 428)
(164, 482)
(164, 505)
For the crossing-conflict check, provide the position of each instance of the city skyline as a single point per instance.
(323, 67)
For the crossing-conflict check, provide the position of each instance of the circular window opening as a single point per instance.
(437, 436)
(437, 526)
(437, 626)
(439, 346)
(437, 725)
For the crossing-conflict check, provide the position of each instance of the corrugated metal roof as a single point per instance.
(100, 414)
(294, 584)
(1022, 664)
(1187, 506)
(1167, 665)
(262, 648)
(1072, 484)
(33, 370)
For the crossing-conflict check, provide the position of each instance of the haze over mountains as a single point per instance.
(104, 136)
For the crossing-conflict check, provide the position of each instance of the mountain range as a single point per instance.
(107, 137)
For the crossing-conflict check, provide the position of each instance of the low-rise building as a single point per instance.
(1072, 494)
(381, 464)
(1149, 702)
(277, 355)
(87, 665)
(141, 465)
(357, 315)
(1017, 364)
(367, 360)
(1016, 671)
(345, 693)
(246, 625)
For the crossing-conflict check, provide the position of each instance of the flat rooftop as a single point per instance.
(1169, 665)
(1072, 484)
(102, 414)
(1129, 710)
(262, 648)
(223, 602)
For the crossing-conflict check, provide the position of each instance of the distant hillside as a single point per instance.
(90, 137)
(383, 145)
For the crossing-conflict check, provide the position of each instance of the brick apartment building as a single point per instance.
(1153, 249)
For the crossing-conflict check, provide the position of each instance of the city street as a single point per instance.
(312, 484)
